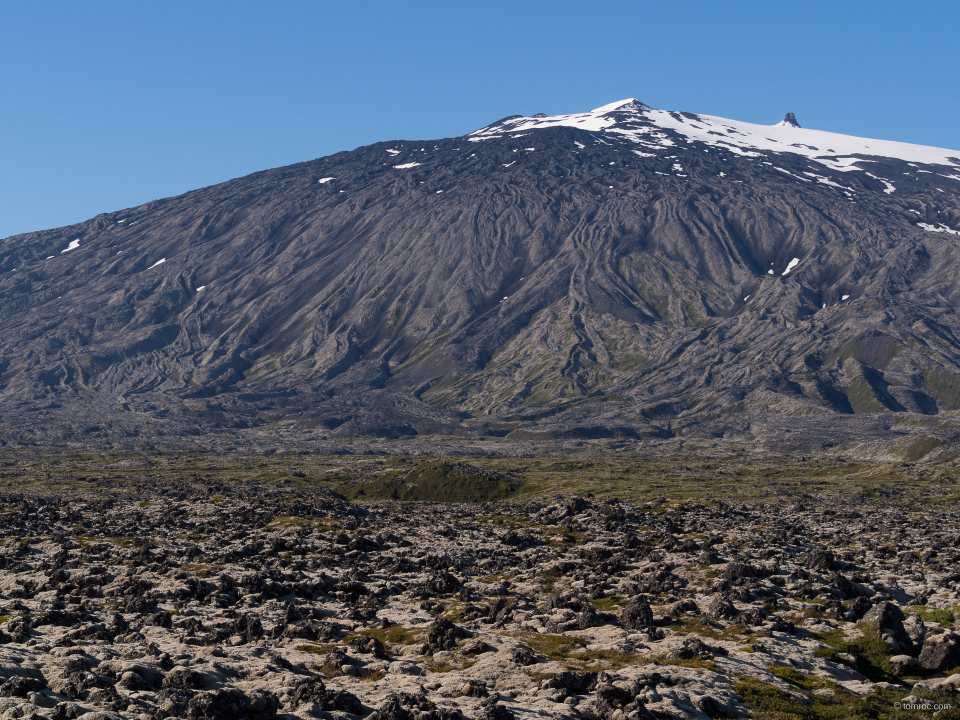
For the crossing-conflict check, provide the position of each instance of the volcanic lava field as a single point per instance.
(671, 585)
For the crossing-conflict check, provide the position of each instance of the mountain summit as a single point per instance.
(621, 273)
(790, 120)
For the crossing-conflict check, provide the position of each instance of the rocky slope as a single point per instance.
(294, 604)
(626, 272)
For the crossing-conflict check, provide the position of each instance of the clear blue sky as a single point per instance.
(106, 105)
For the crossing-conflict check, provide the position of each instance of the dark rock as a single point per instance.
(611, 700)
(20, 686)
(637, 615)
(709, 707)
(523, 658)
(940, 652)
(720, 607)
(890, 617)
(184, 678)
(859, 607)
(231, 704)
(490, 709)
(444, 635)
(370, 646)
(572, 682)
(739, 571)
(392, 709)
(821, 559)
(693, 648)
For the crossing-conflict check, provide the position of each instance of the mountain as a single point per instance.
(623, 273)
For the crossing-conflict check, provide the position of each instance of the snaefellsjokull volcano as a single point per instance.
(624, 273)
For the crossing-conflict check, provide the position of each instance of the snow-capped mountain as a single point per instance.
(660, 130)
(623, 272)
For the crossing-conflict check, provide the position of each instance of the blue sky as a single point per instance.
(107, 105)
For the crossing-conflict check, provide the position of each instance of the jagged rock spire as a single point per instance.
(790, 120)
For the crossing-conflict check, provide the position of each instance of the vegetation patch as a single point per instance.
(431, 481)
(831, 702)
(555, 647)
(920, 447)
(944, 616)
(871, 652)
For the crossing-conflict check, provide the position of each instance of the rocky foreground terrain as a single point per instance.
(294, 604)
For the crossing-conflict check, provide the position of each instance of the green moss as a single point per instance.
(432, 481)
(608, 604)
(555, 647)
(294, 522)
(870, 650)
(203, 570)
(921, 447)
(596, 660)
(944, 617)
(770, 703)
(393, 637)
(691, 663)
(491, 579)
(944, 387)
(548, 579)
(862, 398)
(316, 649)
(795, 677)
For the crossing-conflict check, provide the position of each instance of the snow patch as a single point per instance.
(406, 165)
(791, 265)
(938, 228)
(325, 180)
(161, 261)
(201, 288)
(634, 121)
(845, 297)
(825, 181)
(797, 177)
(74, 244)
(888, 188)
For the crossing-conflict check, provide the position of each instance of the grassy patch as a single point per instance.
(920, 447)
(795, 677)
(491, 579)
(432, 481)
(944, 616)
(690, 663)
(548, 579)
(315, 649)
(768, 702)
(393, 637)
(85, 540)
(597, 660)
(871, 652)
(608, 604)
(287, 521)
(555, 647)
(203, 570)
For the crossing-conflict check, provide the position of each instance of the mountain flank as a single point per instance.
(626, 273)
